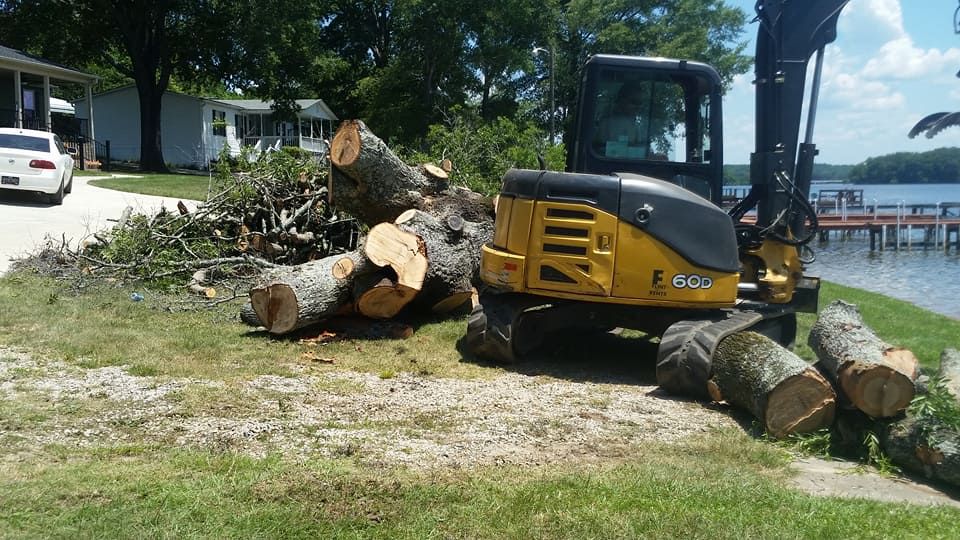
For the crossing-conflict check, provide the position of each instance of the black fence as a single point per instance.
(91, 154)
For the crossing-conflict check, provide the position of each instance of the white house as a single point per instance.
(193, 131)
(26, 83)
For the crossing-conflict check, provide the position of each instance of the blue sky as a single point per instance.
(894, 61)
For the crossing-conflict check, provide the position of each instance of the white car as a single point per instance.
(35, 161)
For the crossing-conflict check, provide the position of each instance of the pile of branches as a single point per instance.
(274, 213)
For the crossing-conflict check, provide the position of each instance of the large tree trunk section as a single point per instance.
(293, 297)
(924, 447)
(877, 377)
(950, 371)
(752, 371)
(453, 248)
(374, 175)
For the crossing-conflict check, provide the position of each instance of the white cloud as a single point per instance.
(902, 59)
(852, 90)
(863, 19)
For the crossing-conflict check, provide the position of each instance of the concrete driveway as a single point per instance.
(26, 219)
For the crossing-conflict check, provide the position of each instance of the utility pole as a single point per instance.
(550, 51)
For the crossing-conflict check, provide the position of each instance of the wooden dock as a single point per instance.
(893, 226)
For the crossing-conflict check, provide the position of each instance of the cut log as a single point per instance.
(875, 376)
(380, 297)
(387, 245)
(788, 396)
(379, 186)
(436, 172)
(196, 285)
(924, 447)
(950, 371)
(289, 298)
(453, 247)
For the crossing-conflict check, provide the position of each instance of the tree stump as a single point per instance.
(877, 377)
(752, 371)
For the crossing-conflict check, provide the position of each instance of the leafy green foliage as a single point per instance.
(482, 152)
(936, 408)
(934, 166)
(876, 456)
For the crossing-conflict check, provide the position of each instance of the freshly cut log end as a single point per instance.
(343, 268)
(877, 378)
(382, 299)
(434, 171)
(276, 307)
(388, 245)
(800, 404)
(879, 391)
(754, 372)
(345, 147)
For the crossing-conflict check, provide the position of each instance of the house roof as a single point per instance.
(21, 61)
(309, 108)
(315, 108)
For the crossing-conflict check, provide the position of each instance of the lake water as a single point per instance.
(928, 278)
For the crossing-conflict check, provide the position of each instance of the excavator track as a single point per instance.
(495, 327)
(687, 347)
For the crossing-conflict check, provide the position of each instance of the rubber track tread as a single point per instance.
(687, 347)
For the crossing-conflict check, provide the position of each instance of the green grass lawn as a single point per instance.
(721, 485)
(182, 186)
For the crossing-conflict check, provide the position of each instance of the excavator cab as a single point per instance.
(651, 116)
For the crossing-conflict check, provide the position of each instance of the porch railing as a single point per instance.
(270, 141)
(8, 118)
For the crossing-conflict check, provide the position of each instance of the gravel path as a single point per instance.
(406, 420)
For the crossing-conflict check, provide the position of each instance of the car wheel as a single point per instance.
(69, 188)
(57, 198)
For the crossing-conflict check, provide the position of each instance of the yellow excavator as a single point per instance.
(633, 235)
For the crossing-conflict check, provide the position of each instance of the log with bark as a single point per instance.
(787, 395)
(292, 297)
(422, 249)
(949, 371)
(924, 446)
(927, 439)
(875, 376)
(369, 182)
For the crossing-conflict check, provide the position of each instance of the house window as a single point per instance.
(219, 123)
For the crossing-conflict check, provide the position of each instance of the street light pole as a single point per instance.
(536, 51)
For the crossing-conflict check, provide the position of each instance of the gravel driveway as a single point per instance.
(26, 219)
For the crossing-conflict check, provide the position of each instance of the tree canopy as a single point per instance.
(933, 167)
(400, 65)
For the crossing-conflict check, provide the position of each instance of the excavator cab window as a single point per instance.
(654, 117)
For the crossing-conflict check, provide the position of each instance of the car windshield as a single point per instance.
(23, 142)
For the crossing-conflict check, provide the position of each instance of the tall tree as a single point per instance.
(146, 40)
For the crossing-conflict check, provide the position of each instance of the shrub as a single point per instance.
(482, 151)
